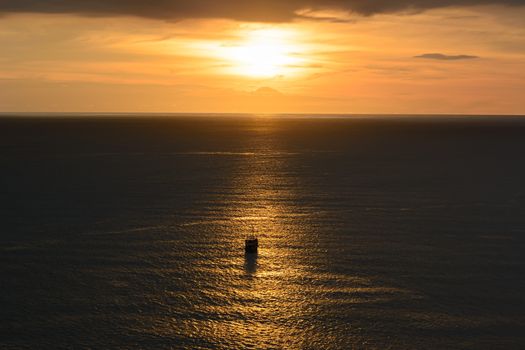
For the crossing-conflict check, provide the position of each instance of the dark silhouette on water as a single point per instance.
(251, 244)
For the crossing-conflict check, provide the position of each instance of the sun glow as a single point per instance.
(264, 53)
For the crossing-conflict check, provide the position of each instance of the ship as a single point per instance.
(251, 244)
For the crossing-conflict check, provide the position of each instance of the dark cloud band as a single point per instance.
(254, 10)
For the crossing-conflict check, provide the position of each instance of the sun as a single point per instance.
(263, 53)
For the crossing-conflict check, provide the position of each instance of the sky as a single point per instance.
(263, 56)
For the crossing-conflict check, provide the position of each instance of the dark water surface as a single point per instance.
(375, 233)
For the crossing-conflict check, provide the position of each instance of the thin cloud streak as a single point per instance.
(443, 57)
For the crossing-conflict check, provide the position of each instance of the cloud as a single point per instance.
(266, 91)
(254, 10)
(442, 57)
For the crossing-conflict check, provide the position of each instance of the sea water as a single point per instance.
(375, 232)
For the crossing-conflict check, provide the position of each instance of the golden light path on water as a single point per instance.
(285, 296)
(270, 305)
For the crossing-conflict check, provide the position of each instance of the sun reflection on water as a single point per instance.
(267, 296)
(287, 295)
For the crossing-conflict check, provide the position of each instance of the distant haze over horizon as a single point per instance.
(269, 57)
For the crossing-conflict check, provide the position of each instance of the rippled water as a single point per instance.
(375, 233)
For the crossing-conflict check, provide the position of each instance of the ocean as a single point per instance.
(375, 232)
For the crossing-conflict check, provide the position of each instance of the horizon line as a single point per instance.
(254, 114)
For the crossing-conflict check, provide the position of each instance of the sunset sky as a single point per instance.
(298, 56)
